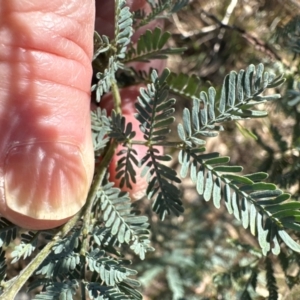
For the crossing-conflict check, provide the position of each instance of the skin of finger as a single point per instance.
(45, 66)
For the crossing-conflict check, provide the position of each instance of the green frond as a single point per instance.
(154, 109)
(97, 291)
(294, 95)
(253, 279)
(3, 265)
(284, 261)
(26, 247)
(8, 232)
(101, 45)
(243, 278)
(141, 246)
(119, 130)
(106, 271)
(184, 85)
(290, 35)
(108, 54)
(151, 45)
(278, 138)
(178, 5)
(111, 271)
(100, 129)
(159, 9)
(246, 197)
(258, 205)
(102, 237)
(246, 248)
(123, 27)
(102, 51)
(59, 264)
(175, 283)
(125, 168)
(129, 291)
(155, 113)
(239, 93)
(106, 78)
(122, 222)
(59, 290)
(271, 281)
(128, 162)
(63, 259)
(69, 243)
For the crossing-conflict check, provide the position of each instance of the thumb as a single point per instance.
(46, 153)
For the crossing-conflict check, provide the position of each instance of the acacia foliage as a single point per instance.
(88, 257)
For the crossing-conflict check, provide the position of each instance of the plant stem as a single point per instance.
(100, 173)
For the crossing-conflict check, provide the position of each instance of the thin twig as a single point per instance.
(263, 47)
(225, 21)
(187, 34)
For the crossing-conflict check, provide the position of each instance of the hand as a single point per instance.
(46, 153)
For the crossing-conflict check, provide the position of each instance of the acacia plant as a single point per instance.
(87, 255)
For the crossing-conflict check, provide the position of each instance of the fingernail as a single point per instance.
(45, 180)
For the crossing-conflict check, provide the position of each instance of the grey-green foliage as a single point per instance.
(26, 247)
(64, 257)
(112, 52)
(100, 128)
(159, 9)
(123, 133)
(243, 278)
(3, 265)
(109, 270)
(151, 45)
(271, 281)
(258, 205)
(110, 276)
(97, 291)
(255, 203)
(175, 283)
(59, 290)
(184, 85)
(294, 96)
(290, 34)
(154, 112)
(281, 163)
(124, 226)
(8, 232)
